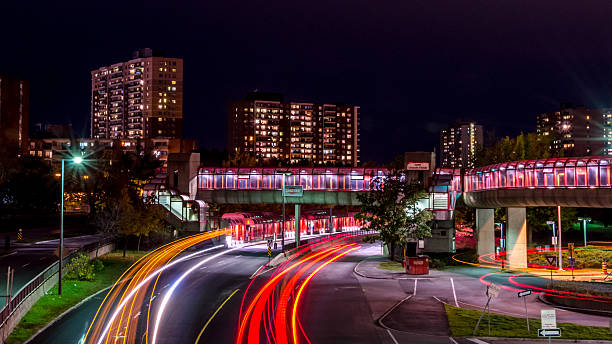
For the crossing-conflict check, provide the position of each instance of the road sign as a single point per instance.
(550, 222)
(549, 319)
(554, 240)
(269, 251)
(570, 249)
(293, 191)
(549, 332)
(524, 293)
(551, 260)
(492, 290)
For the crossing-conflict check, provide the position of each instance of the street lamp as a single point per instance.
(285, 173)
(585, 220)
(76, 160)
(502, 242)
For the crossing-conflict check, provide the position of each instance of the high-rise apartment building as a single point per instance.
(266, 126)
(577, 130)
(14, 114)
(138, 99)
(459, 143)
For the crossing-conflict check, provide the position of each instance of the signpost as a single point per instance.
(551, 262)
(524, 295)
(549, 329)
(492, 291)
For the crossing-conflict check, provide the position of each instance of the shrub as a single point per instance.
(80, 268)
(97, 265)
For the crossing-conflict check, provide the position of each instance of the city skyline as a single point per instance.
(501, 77)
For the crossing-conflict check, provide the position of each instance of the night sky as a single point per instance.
(413, 66)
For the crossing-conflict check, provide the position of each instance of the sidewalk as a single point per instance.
(404, 296)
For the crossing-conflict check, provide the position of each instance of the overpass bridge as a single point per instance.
(566, 182)
(572, 182)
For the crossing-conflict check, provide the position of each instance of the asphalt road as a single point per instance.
(337, 307)
(30, 259)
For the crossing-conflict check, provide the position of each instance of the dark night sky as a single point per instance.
(412, 65)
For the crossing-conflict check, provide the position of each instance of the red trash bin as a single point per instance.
(417, 265)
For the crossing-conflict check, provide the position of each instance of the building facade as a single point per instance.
(459, 144)
(267, 127)
(138, 99)
(14, 114)
(576, 130)
(54, 149)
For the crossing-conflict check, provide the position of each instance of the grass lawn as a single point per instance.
(589, 258)
(391, 265)
(51, 305)
(462, 321)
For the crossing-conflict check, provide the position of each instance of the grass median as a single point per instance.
(462, 321)
(51, 305)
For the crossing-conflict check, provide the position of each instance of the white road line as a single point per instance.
(454, 294)
(415, 286)
(477, 341)
(453, 340)
(24, 265)
(392, 337)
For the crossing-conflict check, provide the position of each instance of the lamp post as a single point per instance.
(585, 220)
(502, 242)
(76, 160)
(560, 247)
(285, 174)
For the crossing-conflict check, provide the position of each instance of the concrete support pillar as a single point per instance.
(297, 225)
(485, 228)
(517, 237)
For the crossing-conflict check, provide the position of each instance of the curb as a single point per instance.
(519, 339)
(598, 312)
(66, 312)
(380, 322)
(374, 277)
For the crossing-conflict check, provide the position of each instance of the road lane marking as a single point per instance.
(24, 265)
(213, 315)
(454, 294)
(392, 337)
(415, 286)
(453, 340)
(477, 341)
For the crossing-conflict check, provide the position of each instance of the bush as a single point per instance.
(80, 268)
(97, 265)
(590, 258)
(436, 263)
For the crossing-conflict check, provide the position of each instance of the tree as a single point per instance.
(523, 147)
(537, 217)
(392, 208)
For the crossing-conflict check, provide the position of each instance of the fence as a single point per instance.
(28, 293)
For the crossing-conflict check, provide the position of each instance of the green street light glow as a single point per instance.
(77, 160)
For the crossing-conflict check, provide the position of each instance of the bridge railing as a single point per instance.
(585, 172)
(320, 179)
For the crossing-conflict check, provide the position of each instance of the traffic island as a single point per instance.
(462, 321)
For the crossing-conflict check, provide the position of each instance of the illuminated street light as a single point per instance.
(76, 160)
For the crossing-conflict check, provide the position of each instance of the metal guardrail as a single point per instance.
(25, 291)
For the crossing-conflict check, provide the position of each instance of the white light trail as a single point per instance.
(147, 279)
(168, 295)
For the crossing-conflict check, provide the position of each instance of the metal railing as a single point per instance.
(22, 294)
